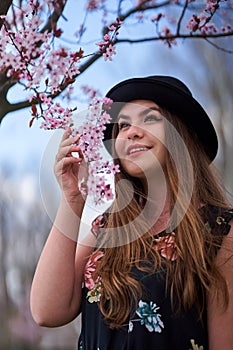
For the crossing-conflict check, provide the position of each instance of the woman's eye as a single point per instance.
(152, 117)
(123, 125)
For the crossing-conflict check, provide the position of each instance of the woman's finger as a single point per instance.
(66, 151)
(70, 141)
(63, 163)
(66, 134)
(67, 139)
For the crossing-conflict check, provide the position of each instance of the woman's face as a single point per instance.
(140, 140)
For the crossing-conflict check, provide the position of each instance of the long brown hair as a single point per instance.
(125, 246)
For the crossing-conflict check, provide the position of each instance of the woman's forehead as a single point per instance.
(139, 106)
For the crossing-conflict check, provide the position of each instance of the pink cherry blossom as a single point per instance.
(209, 28)
(107, 47)
(193, 23)
(211, 5)
(110, 51)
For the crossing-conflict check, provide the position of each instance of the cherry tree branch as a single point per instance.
(174, 36)
(4, 7)
(143, 7)
(7, 107)
(53, 18)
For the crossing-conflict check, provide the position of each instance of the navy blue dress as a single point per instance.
(155, 325)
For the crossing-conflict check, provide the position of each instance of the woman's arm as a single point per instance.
(220, 321)
(57, 284)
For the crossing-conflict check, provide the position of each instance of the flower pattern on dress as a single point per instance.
(195, 346)
(166, 246)
(92, 282)
(93, 295)
(90, 268)
(97, 224)
(149, 316)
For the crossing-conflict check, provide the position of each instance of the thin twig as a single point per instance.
(182, 16)
(218, 47)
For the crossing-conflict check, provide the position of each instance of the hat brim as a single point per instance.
(174, 100)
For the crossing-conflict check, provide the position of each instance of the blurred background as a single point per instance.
(29, 194)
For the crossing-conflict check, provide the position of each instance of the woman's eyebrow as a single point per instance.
(142, 113)
(123, 116)
(149, 109)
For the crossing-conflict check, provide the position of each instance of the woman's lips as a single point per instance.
(137, 149)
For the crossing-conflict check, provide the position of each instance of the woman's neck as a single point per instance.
(157, 206)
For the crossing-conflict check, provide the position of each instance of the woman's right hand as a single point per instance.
(69, 169)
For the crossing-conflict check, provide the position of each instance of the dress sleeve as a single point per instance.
(217, 219)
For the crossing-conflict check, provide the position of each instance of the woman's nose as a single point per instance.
(135, 131)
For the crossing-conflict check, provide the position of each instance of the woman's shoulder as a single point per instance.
(217, 218)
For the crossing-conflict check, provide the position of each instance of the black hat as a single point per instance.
(172, 94)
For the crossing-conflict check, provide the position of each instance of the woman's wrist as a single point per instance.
(69, 215)
(75, 200)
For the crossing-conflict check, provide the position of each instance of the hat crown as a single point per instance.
(173, 82)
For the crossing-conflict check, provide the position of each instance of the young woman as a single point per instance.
(160, 275)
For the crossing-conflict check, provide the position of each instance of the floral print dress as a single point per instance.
(154, 325)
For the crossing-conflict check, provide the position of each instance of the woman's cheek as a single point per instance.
(119, 146)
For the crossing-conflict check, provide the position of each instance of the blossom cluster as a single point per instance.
(168, 28)
(202, 22)
(57, 117)
(90, 141)
(19, 50)
(106, 47)
(27, 55)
